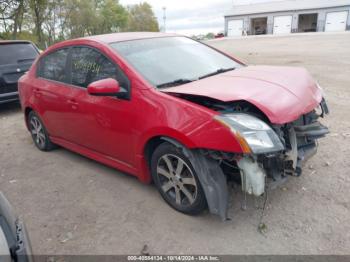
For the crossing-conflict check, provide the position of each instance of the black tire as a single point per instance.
(41, 141)
(183, 184)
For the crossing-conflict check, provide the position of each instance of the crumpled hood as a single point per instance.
(282, 93)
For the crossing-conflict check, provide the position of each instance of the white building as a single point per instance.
(289, 16)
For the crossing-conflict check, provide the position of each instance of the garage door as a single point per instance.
(235, 28)
(282, 24)
(336, 21)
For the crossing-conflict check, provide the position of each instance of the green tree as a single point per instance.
(80, 18)
(38, 9)
(113, 17)
(141, 18)
(91, 17)
(11, 16)
(48, 21)
(18, 18)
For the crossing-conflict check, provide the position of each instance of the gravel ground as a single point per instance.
(73, 205)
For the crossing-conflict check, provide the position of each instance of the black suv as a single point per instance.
(16, 57)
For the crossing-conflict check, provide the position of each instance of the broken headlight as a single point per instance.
(253, 134)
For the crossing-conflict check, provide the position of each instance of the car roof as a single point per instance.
(119, 37)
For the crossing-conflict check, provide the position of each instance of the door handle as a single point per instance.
(37, 92)
(74, 104)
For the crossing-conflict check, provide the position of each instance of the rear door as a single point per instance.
(282, 24)
(336, 21)
(15, 59)
(51, 89)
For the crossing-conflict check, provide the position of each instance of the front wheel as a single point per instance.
(176, 180)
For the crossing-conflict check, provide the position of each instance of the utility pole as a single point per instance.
(164, 19)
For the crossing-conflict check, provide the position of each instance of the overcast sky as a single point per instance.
(193, 17)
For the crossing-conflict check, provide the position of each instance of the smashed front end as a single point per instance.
(300, 143)
(271, 152)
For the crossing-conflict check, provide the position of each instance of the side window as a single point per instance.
(89, 65)
(53, 66)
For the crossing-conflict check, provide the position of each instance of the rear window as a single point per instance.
(53, 66)
(17, 53)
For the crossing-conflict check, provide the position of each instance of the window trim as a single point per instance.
(37, 74)
(69, 72)
(128, 87)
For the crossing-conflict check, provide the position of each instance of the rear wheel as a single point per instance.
(176, 180)
(39, 134)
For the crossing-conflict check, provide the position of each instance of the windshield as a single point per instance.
(17, 53)
(171, 61)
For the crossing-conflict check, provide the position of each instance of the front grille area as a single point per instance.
(299, 139)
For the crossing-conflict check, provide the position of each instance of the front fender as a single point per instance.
(208, 135)
(163, 132)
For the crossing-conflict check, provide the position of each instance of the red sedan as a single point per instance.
(174, 111)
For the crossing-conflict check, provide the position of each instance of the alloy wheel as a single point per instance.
(37, 131)
(177, 180)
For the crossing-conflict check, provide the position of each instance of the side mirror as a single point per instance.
(104, 87)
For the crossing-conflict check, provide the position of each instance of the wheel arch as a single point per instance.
(27, 111)
(154, 142)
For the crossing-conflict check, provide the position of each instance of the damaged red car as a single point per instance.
(174, 111)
